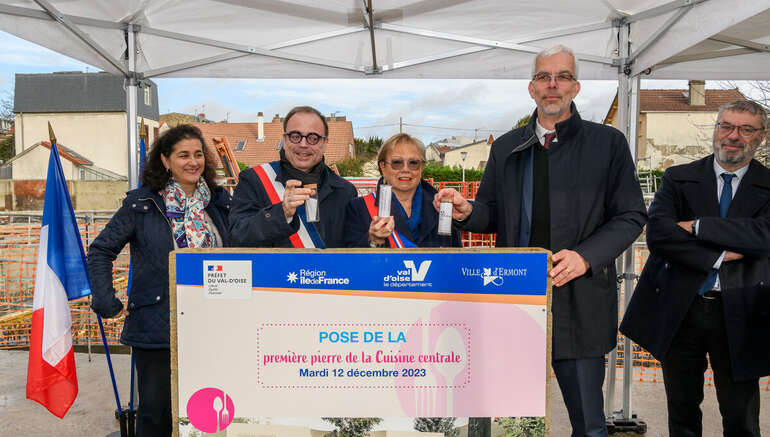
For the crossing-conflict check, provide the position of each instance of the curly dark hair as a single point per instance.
(155, 175)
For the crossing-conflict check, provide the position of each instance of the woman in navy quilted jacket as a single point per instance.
(178, 205)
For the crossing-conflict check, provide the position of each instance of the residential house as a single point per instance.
(432, 153)
(174, 119)
(87, 112)
(256, 143)
(454, 141)
(74, 165)
(475, 155)
(676, 126)
(6, 126)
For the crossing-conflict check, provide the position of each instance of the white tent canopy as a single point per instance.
(461, 39)
(408, 38)
(450, 39)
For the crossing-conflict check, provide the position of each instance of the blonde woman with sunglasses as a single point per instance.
(412, 222)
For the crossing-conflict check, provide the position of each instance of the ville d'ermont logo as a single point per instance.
(492, 275)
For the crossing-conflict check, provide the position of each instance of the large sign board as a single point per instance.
(364, 333)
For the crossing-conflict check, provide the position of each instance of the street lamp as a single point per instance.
(463, 155)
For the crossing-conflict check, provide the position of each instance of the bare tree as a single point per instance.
(6, 113)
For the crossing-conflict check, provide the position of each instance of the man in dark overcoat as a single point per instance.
(268, 207)
(570, 186)
(705, 288)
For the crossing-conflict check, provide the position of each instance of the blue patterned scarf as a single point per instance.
(186, 214)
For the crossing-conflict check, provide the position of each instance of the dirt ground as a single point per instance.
(93, 411)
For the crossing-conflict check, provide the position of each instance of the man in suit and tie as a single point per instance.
(705, 289)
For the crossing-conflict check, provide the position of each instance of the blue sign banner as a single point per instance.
(493, 273)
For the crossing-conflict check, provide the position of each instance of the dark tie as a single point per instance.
(724, 204)
(548, 138)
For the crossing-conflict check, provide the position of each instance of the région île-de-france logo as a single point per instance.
(315, 277)
(215, 268)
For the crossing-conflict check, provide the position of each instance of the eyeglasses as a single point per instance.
(295, 137)
(725, 129)
(398, 164)
(564, 77)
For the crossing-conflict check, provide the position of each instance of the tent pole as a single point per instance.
(628, 123)
(131, 112)
(629, 275)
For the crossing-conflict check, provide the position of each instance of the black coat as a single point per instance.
(358, 219)
(256, 222)
(679, 263)
(596, 209)
(142, 222)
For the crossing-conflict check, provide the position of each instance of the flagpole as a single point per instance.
(109, 364)
(54, 149)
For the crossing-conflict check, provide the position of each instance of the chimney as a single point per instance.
(260, 127)
(697, 94)
(332, 117)
(201, 116)
(277, 118)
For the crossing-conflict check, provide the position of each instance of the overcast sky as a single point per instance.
(430, 109)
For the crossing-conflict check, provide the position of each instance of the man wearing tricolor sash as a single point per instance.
(268, 207)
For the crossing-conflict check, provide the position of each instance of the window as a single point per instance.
(147, 96)
(240, 146)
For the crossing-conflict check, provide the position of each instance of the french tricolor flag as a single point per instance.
(61, 276)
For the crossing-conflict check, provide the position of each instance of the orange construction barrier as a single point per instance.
(18, 257)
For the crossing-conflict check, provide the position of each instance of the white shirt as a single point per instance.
(718, 171)
(540, 131)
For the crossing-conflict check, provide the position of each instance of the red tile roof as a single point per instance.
(68, 154)
(258, 152)
(677, 100)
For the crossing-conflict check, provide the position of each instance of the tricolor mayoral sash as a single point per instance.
(395, 240)
(307, 236)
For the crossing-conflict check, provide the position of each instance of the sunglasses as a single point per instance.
(398, 164)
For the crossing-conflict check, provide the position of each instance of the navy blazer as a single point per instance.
(255, 221)
(679, 263)
(142, 222)
(358, 219)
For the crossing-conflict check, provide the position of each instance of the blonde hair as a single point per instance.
(391, 142)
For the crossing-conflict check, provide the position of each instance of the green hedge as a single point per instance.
(350, 167)
(440, 173)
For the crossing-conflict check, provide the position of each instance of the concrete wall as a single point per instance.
(100, 137)
(478, 154)
(97, 195)
(6, 195)
(678, 138)
(29, 195)
(672, 138)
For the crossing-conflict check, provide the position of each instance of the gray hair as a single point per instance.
(552, 51)
(749, 106)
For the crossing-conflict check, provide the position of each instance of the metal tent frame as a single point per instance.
(613, 39)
